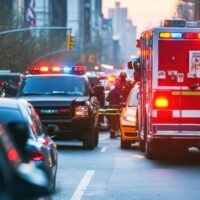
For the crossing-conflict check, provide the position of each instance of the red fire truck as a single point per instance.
(169, 109)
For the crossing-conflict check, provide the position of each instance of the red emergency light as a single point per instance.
(43, 69)
(190, 35)
(79, 69)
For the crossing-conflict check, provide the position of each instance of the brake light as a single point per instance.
(13, 155)
(37, 156)
(161, 102)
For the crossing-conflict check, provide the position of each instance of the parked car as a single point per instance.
(9, 83)
(19, 179)
(40, 147)
(128, 119)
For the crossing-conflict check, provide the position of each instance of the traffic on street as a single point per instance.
(96, 103)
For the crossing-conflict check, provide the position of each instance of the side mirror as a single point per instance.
(99, 93)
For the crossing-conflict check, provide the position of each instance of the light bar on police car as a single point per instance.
(56, 69)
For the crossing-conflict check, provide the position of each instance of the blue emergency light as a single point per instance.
(176, 35)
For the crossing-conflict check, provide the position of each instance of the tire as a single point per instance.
(125, 144)
(53, 187)
(142, 145)
(112, 135)
(96, 136)
(148, 152)
(89, 141)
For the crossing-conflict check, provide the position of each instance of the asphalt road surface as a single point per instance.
(110, 173)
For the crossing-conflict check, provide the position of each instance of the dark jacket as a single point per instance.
(115, 97)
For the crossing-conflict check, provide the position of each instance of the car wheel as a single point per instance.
(89, 141)
(96, 136)
(142, 145)
(148, 152)
(53, 186)
(125, 144)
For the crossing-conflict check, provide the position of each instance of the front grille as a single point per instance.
(52, 113)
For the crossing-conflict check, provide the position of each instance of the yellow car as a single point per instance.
(128, 119)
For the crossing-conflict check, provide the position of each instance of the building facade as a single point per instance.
(124, 30)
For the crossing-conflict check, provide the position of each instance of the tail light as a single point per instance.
(81, 111)
(161, 102)
(13, 155)
(37, 156)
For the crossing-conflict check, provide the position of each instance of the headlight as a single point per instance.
(81, 111)
(129, 116)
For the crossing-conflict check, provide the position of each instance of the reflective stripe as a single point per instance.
(154, 113)
(186, 113)
(186, 93)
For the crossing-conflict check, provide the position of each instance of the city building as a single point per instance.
(124, 31)
(107, 36)
(185, 10)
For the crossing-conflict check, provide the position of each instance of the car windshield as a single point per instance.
(134, 98)
(71, 86)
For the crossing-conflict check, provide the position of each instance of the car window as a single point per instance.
(134, 97)
(36, 126)
(70, 86)
(32, 118)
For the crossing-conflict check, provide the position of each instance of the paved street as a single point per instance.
(111, 173)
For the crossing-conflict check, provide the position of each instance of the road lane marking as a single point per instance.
(138, 156)
(104, 149)
(103, 137)
(82, 187)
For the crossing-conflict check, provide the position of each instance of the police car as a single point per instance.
(64, 98)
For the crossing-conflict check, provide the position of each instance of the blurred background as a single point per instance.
(104, 30)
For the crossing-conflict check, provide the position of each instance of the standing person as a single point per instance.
(114, 98)
(125, 86)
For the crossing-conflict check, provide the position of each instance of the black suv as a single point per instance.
(65, 101)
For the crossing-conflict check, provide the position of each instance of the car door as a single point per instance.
(48, 147)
